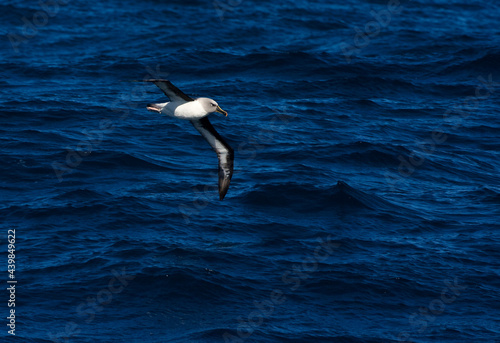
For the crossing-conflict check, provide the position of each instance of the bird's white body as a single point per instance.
(184, 110)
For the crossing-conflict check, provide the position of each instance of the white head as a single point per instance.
(210, 106)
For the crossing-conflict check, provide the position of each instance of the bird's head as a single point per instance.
(211, 106)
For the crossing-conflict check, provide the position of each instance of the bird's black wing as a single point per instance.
(173, 93)
(224, 152)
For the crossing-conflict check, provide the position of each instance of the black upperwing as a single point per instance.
(224, 152)
(173, 93)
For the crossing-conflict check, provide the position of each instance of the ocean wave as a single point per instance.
(304, 198)
(485, 194)
(118, 159)
(484, 64)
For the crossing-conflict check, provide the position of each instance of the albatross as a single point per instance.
(196, 111)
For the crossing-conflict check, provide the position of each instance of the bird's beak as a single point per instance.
(154, 107)
(220, 110)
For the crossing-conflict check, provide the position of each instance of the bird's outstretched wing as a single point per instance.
(173, 93)
(224, 152)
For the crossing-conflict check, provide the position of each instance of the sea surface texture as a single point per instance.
(365, 201)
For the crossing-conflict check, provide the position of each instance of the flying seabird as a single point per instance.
(196, 111)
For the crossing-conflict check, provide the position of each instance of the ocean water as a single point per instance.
(364, 206)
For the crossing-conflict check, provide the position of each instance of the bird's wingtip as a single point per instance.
(223, 188)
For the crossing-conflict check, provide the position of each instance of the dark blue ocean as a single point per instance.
(365, 201)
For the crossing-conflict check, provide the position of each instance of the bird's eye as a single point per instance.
(213, 104)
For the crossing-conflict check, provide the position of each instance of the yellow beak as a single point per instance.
(220, 110)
